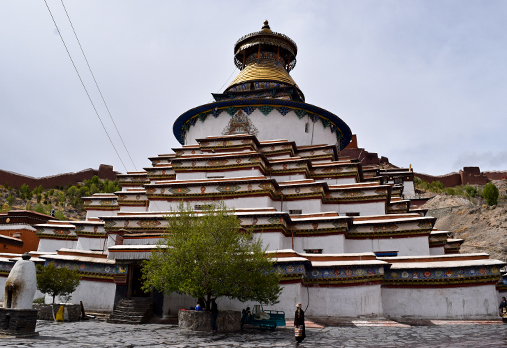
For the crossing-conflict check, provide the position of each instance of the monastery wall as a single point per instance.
(411, 246)
(333, 244)
(96, 295)
(273, 126)
(437, 251)
(16, 180)
(345, 301)
(456, 303)
(53, 245)
(89, 243)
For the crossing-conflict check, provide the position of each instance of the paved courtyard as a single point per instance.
(350, 334)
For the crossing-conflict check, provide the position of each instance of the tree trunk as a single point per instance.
(208, 301)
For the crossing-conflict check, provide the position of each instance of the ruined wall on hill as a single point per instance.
(449, 180)
(496, 175)
(467, 175)
(16, 180)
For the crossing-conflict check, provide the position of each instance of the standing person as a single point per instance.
(502, 307)
(214, 315)
(299, 321)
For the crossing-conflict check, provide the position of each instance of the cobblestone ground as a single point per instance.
(353, 334)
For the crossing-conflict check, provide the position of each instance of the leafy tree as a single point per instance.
(93, 189)
(209, 256)
(490, 193)
(59, 215)
(39, 208)
(56, 281)
(10, 200)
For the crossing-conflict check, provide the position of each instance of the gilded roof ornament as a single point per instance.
(266, 28)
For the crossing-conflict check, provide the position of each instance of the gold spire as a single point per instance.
(266, 28)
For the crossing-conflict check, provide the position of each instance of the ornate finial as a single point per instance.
(266, 27)
(26, 256)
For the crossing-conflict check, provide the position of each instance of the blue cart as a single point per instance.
(264, 319)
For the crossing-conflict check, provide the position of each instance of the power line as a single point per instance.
(224, 83)
(96, 84)
(82, 83)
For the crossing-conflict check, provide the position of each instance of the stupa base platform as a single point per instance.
(19, 323)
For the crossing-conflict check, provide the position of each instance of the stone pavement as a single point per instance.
(432, 334)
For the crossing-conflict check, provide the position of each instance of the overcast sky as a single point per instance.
(420, 82)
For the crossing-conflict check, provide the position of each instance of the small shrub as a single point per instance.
(470, 190)
(490, 194)
(450, 191)
(39, 300)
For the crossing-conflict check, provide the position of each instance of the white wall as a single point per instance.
(271, 127)
(240, 202)
(49, 245)
(364, 208)
(131, 209)
(226, 174)
(86, 243)
(465, 303)
(307, 206)
(96, 295)
(437, 251)
(333, 244)
(339, 181)
(346, 301)
(274, 240)
(99, 213)
(410, 246)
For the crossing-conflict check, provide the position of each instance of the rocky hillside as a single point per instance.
(483, 228)
(65, 201)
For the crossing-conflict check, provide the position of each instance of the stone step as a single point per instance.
(132, 311)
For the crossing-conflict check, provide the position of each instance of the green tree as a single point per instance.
(490, 193)
(10, 200)
(210, 256)
(56, 281)
(59, 215)
(93, 189)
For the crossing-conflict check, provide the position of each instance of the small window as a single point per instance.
(307, 127)
(398, 180)
(352, 214)
(202, 206)
(313, 251)
(215, 177)
(296, 211)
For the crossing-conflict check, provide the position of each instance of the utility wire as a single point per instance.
(82, 83)
(96, 84)
(224, 83)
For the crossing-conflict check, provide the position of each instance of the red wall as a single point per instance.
(16, 180)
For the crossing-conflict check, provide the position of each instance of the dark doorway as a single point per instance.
(137, 282)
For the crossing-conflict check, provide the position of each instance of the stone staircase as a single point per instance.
(132, 311)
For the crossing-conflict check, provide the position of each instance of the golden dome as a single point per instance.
(265, 70)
